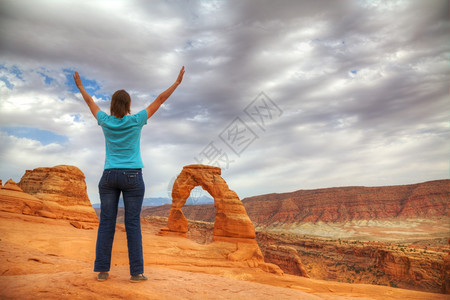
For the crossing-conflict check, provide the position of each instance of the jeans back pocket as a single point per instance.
(132, 178)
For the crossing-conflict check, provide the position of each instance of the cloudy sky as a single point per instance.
(282, 95)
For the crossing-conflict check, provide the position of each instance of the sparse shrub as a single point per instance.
(393, 284)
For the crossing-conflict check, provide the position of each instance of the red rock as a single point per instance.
(286, 258)
(423, 200)
(62, 184)
(12, 186)
(232, 224)
(62, 189)
(231, 218)
(445, 273)
(359, 262)
(177, 221)
(13, 199)
(76, 224)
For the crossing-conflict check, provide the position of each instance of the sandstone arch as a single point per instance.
(231, 219)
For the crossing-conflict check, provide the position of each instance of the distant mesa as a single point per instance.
(232, 224)
(58, 192)
(343, 204)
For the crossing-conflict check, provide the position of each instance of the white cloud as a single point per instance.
(363, 87)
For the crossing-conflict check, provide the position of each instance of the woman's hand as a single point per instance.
(77, 79)
(180, 76)
(153, 107)
(89, 101)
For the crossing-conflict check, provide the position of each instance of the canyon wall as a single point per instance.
(343, 204)
(396, 265)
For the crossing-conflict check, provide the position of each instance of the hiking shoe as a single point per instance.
(138, 278)
(102, 276)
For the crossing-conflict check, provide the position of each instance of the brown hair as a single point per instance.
(120, 104)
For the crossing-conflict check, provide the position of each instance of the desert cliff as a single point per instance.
(343, 204)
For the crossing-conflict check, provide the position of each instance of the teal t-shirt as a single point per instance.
(122, 139)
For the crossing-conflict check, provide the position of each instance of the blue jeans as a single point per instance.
(130, 183)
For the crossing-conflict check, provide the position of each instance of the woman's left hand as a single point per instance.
(77, 79)
(180, 76)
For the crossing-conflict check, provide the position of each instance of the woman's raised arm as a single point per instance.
(153, 107)
(89, 101)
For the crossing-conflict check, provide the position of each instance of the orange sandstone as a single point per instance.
(232, 224)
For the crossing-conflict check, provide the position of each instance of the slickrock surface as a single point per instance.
(50, 259)
(63, 190)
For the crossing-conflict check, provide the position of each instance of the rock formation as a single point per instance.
(12, 186)
(423, 200)
(202, 212)
(49, 259)
(411, 213)
(395, 265)
(13, 199)
(445, 273)
(231, 219)
(286, 258)
(63, 191)
(62, 184)
(232, 224)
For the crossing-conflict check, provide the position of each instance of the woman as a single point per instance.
(122, 174)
